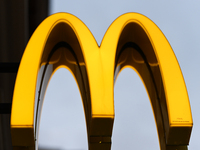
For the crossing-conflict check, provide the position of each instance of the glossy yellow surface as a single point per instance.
(94, 69)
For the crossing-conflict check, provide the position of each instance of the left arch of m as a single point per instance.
(132, 40)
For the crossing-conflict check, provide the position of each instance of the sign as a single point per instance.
(132, 40)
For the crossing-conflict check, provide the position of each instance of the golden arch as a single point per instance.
(133, 41)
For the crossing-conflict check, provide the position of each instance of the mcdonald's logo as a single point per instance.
(132, 40)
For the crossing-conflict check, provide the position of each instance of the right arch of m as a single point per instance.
(132, 41)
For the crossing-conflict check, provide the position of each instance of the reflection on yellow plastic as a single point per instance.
(133, 41)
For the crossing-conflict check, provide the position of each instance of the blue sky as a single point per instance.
(134, 126)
